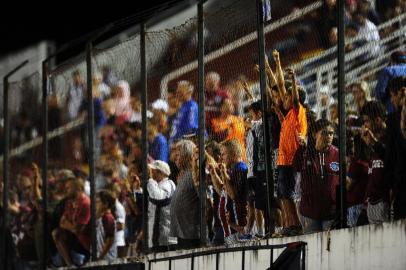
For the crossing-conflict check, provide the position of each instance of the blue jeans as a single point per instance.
(353, 213)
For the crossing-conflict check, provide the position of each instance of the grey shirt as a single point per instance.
(185, 209)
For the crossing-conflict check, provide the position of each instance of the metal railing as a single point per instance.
(243, 249)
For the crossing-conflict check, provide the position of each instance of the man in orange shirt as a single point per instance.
(293, 133)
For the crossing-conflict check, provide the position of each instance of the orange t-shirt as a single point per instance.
(295, 123)
(235, 129)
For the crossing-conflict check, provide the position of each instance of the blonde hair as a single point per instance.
(233, 147)
(364, 87)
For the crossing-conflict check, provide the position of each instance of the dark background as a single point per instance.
(24, 23)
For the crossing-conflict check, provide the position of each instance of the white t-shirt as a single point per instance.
(120, 218)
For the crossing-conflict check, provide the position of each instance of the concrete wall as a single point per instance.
(368, 247)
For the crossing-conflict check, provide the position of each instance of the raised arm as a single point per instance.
(280, 81)
(295, 92)
(215, 179)
(227, 182)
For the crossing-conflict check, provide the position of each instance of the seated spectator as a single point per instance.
(352, 32)
(187, 117)
(160, 192)
(73, 235)
(185, 201)
(105, 226)
(369, 32)
(365, 7)
(373, 134)
(318, 166)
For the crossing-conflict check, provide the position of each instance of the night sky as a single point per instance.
(25, 23)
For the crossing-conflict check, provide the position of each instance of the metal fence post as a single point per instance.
(202, 124)
(265, 115)
(4, 252)
(342, 113)
(91, 133)
(144, 103)
(45, 161)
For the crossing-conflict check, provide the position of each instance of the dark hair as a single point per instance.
(374, 109)
(354, 26)
(215, 147)
(398, 57)
(255, 106)
(321, 124)
(396, 84)
(75, 73)
(107, 199)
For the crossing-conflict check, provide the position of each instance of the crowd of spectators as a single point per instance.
(304, 163)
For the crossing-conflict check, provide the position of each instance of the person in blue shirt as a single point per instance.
(187, 118)
(396, 68)
(158, 144)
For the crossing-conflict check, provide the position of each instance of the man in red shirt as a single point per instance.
(318, 166)
(73, 233)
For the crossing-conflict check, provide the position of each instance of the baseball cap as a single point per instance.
(161, 166)
(160, 104)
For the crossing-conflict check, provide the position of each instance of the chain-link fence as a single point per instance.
(260, 183)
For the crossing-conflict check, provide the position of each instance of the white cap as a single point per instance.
(161, 166)
(160, 104)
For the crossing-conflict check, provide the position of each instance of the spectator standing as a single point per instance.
(318, 166)
(214, 95)
(160, 191)
(293, 131)
(373, 134)
(75, 95)
(105, 226)
(73, 234)
(184, 207)
(187, 119)
(395, 156)
(158, 144)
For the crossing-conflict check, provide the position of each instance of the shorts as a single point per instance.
(260, 191)
(378, 212)
(251, 190)
(286, 183)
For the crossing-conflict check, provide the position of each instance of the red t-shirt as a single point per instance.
(358, 172)
(78, 212)
(108, 225)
